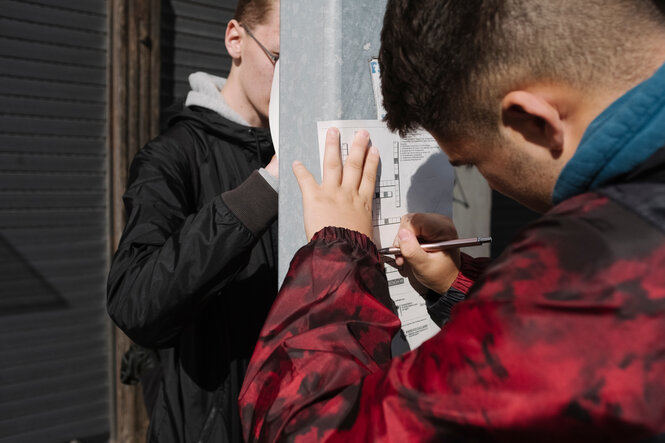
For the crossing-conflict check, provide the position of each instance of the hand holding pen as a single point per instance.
(438, 268)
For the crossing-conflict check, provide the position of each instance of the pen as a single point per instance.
(442, 245)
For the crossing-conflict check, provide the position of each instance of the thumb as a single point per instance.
(410, 248)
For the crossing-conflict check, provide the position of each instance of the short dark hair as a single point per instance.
(253, 12)
(445, 64)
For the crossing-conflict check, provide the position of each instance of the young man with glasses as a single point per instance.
(195, 272)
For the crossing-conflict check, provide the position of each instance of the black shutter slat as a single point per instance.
(44, 108)
(49, 14)
(200, 61)
(47, 320)
(45, 352)
(224, 5)
(59, 145)
(196, 43)
(192, 40)
(35, 181)
(53, 200)
(92, 7)
(37, 32)
(50, 71)
(183, 25)
(52, 52)
(51, 126)
(51, 419)
(208, 13)
(53, 384)
(54, 236)
(39, 336)
(25, 407)
(56, 163)
(84, 427)
(38, 219)
(31, 87)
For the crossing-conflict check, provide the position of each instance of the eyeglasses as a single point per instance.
(273, 57)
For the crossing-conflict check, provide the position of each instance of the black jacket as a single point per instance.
(195, 272)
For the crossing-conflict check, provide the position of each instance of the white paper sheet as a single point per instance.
(414, 176)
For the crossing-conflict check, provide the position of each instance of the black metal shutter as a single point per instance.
(192, 40)
(54, 370)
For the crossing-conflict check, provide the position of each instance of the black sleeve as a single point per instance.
(439, 306)
(171, 257)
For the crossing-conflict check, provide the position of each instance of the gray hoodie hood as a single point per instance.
(206, 93)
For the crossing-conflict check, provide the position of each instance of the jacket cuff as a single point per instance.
(361, 257)
(254, 203)
(359, 241)
(440, 306)
(470, 270)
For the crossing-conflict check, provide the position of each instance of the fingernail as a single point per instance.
(373, 150)
(404, 234)
(333, 131)
(363, 133)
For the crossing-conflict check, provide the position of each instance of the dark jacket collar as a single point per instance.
(248, 137)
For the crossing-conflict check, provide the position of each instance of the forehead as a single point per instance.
(271, 19)
(270, 26)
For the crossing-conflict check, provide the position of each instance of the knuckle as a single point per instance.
(354, 163)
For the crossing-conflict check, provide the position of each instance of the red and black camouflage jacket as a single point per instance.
(561, 339)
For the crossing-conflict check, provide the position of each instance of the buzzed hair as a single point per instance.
(253, 12)
(446, 64)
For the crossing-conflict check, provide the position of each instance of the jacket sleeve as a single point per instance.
(439, 306)
(171, 256)
(321, 370)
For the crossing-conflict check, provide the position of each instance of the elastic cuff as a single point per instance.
(254, 202)
(360, 242)
(471, 268)
(439, 306)
(334, 244)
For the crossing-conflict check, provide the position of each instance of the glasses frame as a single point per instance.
(273, 57)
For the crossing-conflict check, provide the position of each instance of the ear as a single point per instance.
(233, 39)
(534, 118)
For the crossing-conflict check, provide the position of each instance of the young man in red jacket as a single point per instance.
(560, 105)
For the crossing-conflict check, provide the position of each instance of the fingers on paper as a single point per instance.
(332, 160)
(368, 184)
(353, 166)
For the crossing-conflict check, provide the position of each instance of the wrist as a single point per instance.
(446, 283)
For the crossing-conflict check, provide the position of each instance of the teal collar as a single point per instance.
(624, 135)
